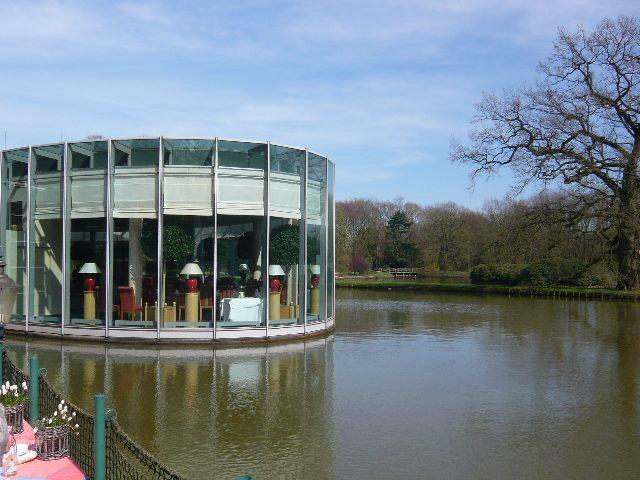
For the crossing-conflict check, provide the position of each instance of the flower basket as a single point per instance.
(52, 442)
(14, 415)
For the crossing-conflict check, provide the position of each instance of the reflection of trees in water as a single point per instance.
(264, 411)
(628, 349)
(558, 379)
(546, 337)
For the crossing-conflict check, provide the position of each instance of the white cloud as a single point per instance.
(380, 84)
(153, 13)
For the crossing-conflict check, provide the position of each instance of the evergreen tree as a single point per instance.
(400, 251)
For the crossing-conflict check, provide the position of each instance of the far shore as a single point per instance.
(552, 292)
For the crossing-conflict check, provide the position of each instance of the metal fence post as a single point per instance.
(100, 436)
(1, 362)
(34, 369)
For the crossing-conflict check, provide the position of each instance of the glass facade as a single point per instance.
(316, 237)
(87, 232)
(169, 238)
(14, 219)
(45, 228)
(286, 233)
(134, 272)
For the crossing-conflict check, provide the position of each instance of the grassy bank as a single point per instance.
(557, 292)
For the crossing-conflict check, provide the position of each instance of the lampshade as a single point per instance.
(90, 267)
(314, 269)
(191, 268)
(275, 271)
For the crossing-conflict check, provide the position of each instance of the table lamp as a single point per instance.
(314, 270)
(189, 269)
(275, 271)
(89, 269)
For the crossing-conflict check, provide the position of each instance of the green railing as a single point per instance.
(101, 449)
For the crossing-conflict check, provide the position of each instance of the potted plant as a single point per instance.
(284, 250)
(52, 433)
(14, 399)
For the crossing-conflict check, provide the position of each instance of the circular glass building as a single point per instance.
(169, 239)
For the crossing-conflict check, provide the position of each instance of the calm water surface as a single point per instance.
(409, 386)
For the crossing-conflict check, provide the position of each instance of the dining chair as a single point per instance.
(128, 304)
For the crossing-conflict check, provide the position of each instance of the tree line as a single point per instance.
(573, 134)
(507, 241)
(575, 128)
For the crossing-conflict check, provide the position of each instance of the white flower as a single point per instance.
(7, 384)
(73, 414)
(64, 417)
(50, 420)
(61, 402)
(76, 426)
(16, 394)
(55, 414)
(24, 385)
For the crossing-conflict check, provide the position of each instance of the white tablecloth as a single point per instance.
(248, 309)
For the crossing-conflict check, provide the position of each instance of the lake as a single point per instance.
(409, 386)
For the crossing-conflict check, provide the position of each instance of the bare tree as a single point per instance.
(578, 126)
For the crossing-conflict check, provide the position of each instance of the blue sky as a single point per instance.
(378, 86)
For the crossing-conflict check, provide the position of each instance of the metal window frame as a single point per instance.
(305, 275)
(214, 201)
(333, 226)
(66, 239)
(108, 266)
(302, 267)
(160, 223)
(265, 245)
(325, 217)
(29, 254)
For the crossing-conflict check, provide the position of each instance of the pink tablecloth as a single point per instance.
(63, 469)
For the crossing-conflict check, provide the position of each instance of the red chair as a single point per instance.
(206, 301)
(128, 303)
(100, 302)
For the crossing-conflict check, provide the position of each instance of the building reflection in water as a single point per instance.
(259, 410)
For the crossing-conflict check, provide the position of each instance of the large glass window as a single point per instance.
(316, 238)
(188, 234)
(46, 247)
(240, 232)
(285, 236)
(135, 232)
(87, 238)
(214, 264)
(14, 236)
